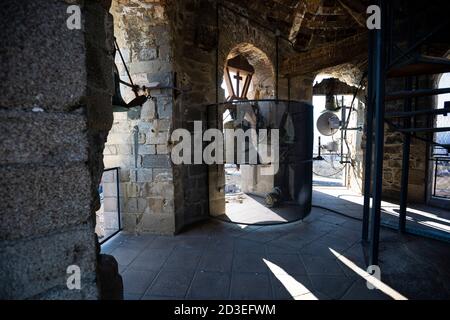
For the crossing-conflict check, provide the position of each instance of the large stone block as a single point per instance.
(156, 161)
(157, 224)
(147, 149)
(38, 200)
(160, 189)
(161, 137)
(161, 175)
(161, 206)
(121, 161)
(141, 175)
(153, 66)
(36, 40)
(165, 108)
(120, 138)
(29, 268)
(42, 138)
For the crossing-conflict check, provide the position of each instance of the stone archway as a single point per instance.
(264, 77)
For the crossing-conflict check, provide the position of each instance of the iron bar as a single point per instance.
(119, 215)
(434, 143)
(343, 125)
(369, 145)
(217, 50)
(410, 130)
(379, 83)
(405, 164)
(407, 114)
(416, 93)
(435, 179)
(125, 65)
(289, 88)
(277, 65)
(417, 44)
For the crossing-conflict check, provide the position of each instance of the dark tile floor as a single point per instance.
(319, 258)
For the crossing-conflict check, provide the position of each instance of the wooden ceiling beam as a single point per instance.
(356, 10)
(327, 56)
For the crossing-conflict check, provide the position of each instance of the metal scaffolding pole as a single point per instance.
(369, 144)
(379, 92)
(405, 163)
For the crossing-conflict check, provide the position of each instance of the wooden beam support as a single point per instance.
(326, 56)
(356, 10)
(303, 7)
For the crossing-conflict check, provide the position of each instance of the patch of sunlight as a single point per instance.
(295, 288)
(435, 225)
(369, 278)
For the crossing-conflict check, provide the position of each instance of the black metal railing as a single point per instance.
(441, 178)
(109, 218)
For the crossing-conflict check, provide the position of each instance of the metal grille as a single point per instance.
(108, 217)
(441, 187)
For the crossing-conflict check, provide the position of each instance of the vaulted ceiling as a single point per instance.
(308, 23)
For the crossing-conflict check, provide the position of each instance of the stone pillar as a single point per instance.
(55, 98)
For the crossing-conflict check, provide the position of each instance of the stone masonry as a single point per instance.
(146, 178)
(174, 43)
(55, 113)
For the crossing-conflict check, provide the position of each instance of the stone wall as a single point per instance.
(393, 149)
(143, 33)
(55, 112)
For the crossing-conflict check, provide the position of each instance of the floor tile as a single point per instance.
(316, 265)
(209, 286)
(251, 262)
(183, 259)
(214, 261)
(137, 281)
(250, 286)
(151, 259)
(171, 283)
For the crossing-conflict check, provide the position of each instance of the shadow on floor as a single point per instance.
(318, 258)
(421, 219)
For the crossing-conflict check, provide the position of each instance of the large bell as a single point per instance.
(119, 105)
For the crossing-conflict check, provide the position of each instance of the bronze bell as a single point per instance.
(331, 103)
(119, 105)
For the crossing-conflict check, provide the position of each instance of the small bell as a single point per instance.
(330, 102)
